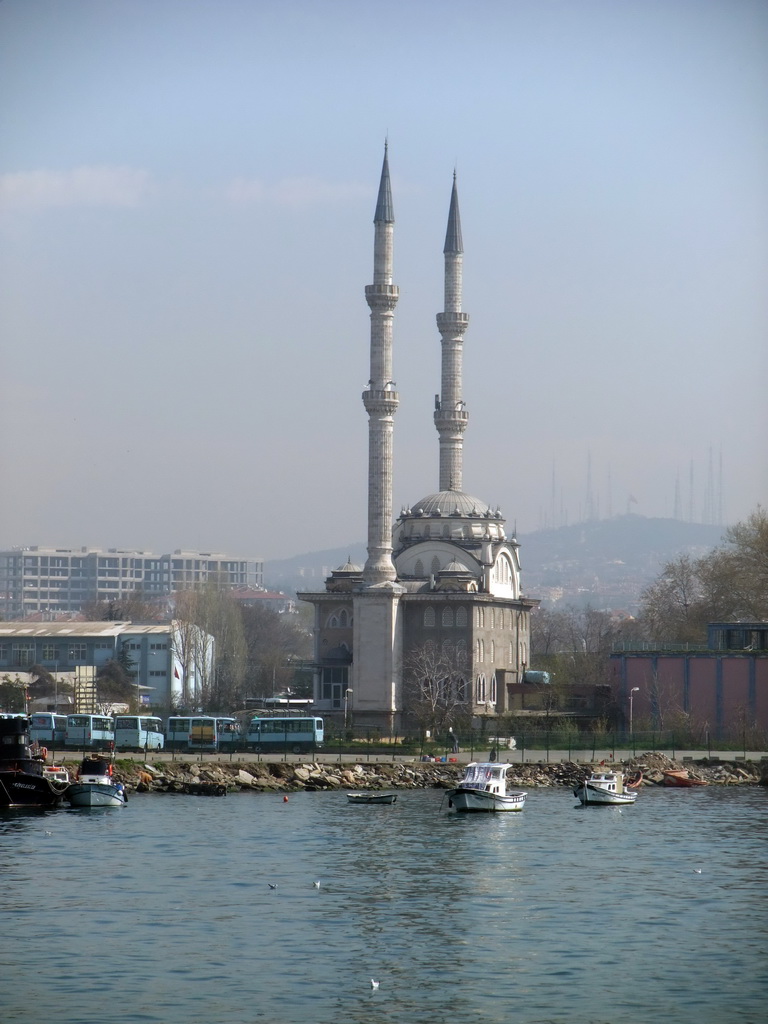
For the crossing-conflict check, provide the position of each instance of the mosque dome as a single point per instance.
(450, 503)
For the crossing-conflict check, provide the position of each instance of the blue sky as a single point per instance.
(186, 199)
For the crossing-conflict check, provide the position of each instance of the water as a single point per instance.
(161, 912)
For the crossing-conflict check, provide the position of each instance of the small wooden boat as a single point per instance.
(680, 777)
(605, 788)
(484, 788)
(371, 798)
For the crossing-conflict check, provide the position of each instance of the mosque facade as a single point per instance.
(434, 628)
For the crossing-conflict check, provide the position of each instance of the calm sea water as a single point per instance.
(161, 912)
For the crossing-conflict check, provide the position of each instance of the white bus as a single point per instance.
(89, 732)
(300, 735)
(139, 732)
(47, 729)
(202, 732)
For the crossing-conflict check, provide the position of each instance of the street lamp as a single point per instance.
(346, 704)
(632, 692)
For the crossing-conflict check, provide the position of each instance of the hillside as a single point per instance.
(604, 563)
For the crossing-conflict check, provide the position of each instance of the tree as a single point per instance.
(435, 687)
(274, 643)
(115, 683)
(730, 582)
(135, 606)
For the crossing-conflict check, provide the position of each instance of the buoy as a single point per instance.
(285, 799)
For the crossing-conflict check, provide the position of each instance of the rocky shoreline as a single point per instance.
(219, 778)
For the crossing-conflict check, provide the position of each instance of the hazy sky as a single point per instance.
(187, 191)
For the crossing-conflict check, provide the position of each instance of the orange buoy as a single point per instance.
(285, 799)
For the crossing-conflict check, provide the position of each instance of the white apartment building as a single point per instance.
(54, 580)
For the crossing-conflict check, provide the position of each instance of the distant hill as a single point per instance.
(604, 563)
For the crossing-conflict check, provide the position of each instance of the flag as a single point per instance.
(176, 672)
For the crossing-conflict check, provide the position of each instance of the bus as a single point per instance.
(299, 735)
(47, 729)
(139, 732)
(202, 732)
(89, 732)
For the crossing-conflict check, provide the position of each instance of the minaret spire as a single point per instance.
(451, 415)
(381, 399)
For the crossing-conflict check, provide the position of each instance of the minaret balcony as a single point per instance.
(382, 297)
(384, 401)
(452, 323)
(451, 419)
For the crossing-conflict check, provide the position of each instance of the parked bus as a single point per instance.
(300, 735)
(47, 729)
(89, 732)
(139, 732)
(202, 732)
(229, 734)
(177, 732)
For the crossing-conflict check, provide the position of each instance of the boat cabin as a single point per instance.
(490, 777)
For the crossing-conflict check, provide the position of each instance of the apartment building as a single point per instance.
(54, 580)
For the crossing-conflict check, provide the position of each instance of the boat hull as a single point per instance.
(23, 789)
(94, 794)
(371, 798)
(466, 800)
(596, 797)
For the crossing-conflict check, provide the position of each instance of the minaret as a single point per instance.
(381, 400)
(451, 415)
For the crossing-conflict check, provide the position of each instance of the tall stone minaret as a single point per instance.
(451, 415)
(380, 399)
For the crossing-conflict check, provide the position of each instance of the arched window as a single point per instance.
(448, 651)
(429, 649)
(446, 530)
(448, 616)
(461, 617)
(481, 689)
(461, 654)
(435, 566)
(429, 617)
(333, 621)
(343, 618)
(493, 689)
(418, 569)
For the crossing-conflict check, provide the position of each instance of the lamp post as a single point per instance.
(632, 692)
(346, 705)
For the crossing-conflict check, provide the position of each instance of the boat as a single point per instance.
(607, 788)
(57, 772)
(95, 786)
(371, 798)
(680, 777)
(484, 788)
(23, 782)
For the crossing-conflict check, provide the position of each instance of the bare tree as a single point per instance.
(435, 689)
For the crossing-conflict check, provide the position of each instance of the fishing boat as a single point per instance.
(680, 777)
(371, 798)
(607, 788)
(23, 782)
(484, 788)
(95, 785)
(57, 772)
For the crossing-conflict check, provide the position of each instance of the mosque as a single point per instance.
(434, 627)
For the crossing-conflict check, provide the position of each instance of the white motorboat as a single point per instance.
(484, 788)
(607, 788)
(95, 786)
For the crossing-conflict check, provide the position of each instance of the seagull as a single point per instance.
(49, 833)
(697, 870)
(271, 886)
(374, 984)
(316, 885)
